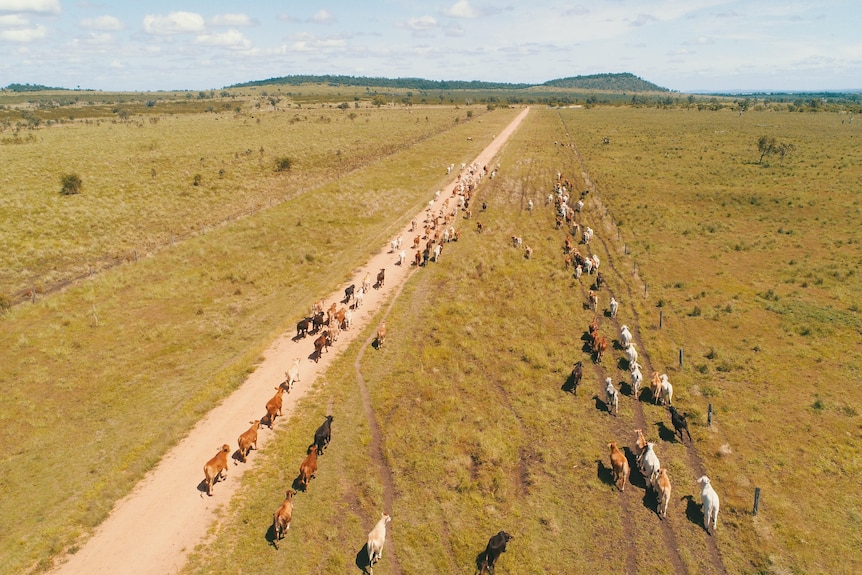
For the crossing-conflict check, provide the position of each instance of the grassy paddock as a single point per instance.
(112, 371)
(164, 177)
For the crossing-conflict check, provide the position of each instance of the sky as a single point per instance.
(683, 45)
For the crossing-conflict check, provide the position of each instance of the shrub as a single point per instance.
(196, 181)
(71, 184)
(283, 164)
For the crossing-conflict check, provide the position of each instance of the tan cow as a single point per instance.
(663, 482)
(248, 440)
(216, 468)
(381, 334)
(282, 517)
(620, 466)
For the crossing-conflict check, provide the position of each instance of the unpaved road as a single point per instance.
(153, 529)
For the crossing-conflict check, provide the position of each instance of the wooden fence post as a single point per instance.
(680, 358)
(709, 416)
(756, 499)
(660, 318)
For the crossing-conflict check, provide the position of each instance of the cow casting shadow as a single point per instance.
(693, 511)
(362, 561)
(665, 433)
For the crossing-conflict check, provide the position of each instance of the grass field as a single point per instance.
(112, 371)
(753, 268)
(158, 178)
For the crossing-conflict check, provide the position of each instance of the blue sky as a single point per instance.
(684, 45)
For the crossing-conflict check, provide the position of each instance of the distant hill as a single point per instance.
(413, 83)
(624, 82)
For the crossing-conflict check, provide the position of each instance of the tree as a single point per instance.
(767, 145)
(71, 184)
(283, 164)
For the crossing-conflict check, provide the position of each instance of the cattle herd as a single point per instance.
(438, 229)
(655, 476)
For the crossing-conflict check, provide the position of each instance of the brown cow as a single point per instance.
(281, 518)
(273, 406)
(248, 440)
(308, 468)
(640, 445)
(600, 348)
(620, 466)
(417, 259)
(216, 468)
(417, 241)
(320, 344)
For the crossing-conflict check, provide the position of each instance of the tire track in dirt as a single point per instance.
(695, 462)
(378, 457)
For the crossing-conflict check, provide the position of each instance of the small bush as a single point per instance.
(71, 184)
(5, 302)
(283, 164)
(196, 181)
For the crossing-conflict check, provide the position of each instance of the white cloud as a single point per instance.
(38, 6)
(308, 43)
(24, 34)
(173, 23)
(323, 16)
(13, 21)
(103, 23)
(643, 20)
(231, 39)
(461, 9)
(232, 20)
(421, 24)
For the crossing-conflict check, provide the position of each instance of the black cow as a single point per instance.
(302, 327)
(575, 377)
(679, 422)
(323, 435)
(496, 545)
(348, 292)
(317, 321)
(381, 275)
(600, 280)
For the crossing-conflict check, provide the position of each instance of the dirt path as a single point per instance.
(155, 527)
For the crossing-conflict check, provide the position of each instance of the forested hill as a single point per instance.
(611, 82)
(625, 82)
(413, 83)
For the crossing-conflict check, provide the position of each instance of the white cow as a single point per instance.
(625, 336)
(612, 398)
(666, 390)
(631, 353)
(637, 379)
(376, 539)
(588, 265)
(650, 465)
(596, 263)
(358, 296)
(614, 307)
(588, 234)
(709, 498)
(578, 271)
(293, 373)
(437, 249)
(402, 257)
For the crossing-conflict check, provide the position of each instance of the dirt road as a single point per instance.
(154, 528)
